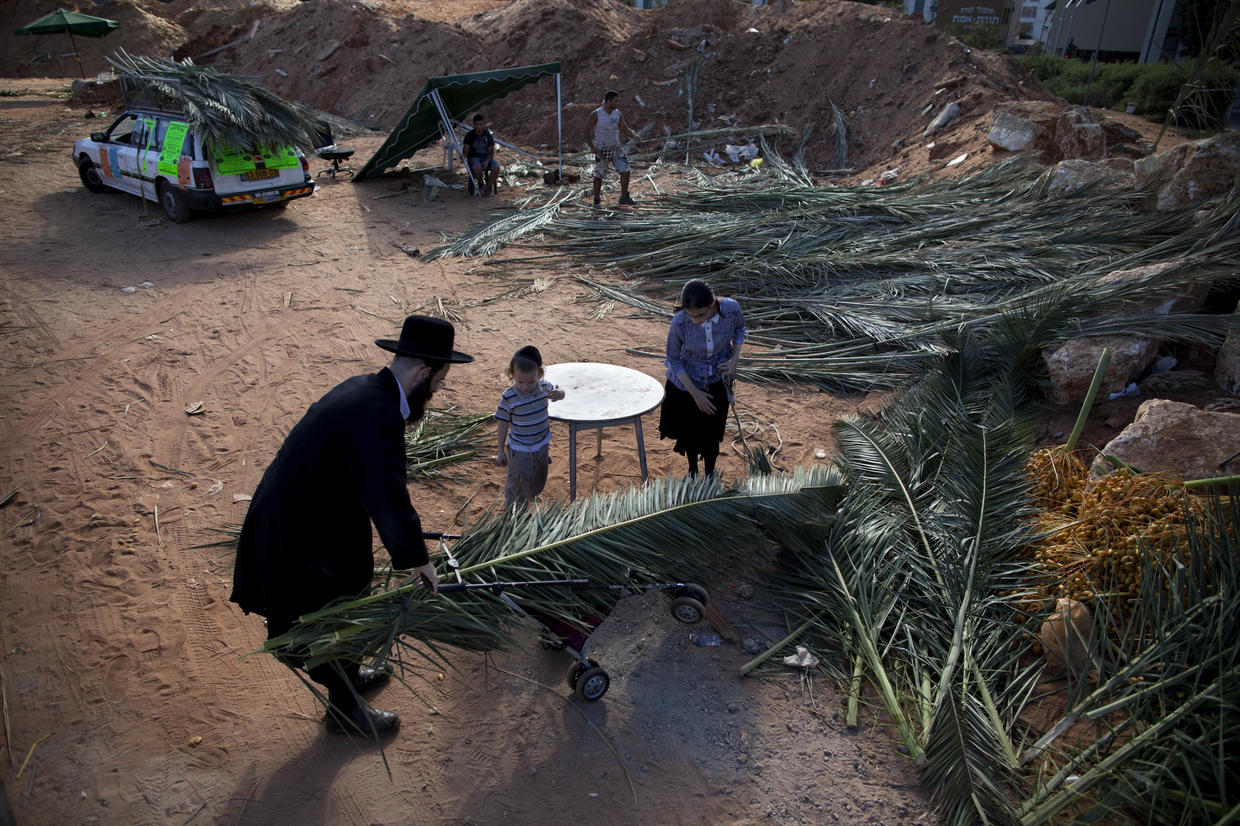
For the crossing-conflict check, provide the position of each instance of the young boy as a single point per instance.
(523, 428)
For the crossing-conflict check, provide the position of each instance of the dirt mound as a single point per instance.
(738, 65)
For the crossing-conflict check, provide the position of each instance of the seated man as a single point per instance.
(479, 145)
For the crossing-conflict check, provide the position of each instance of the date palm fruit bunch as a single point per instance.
(1102, 535)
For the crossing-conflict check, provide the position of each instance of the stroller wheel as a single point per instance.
(688, 610)
(695, 591)
(578, 668)
(592, 684)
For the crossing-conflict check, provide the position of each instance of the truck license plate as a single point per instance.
(260, 174)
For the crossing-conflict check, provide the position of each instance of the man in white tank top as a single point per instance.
(603, 128)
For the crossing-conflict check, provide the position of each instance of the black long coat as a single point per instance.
(306, 538)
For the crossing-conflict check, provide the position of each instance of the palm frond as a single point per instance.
(227, 110)
(443, 437)
(665, 531)
(1167, 703)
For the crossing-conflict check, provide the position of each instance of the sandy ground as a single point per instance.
(119, 646)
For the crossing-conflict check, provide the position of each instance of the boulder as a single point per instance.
(1227, 365)
(1012, 132)
(945, 116)
(1188, 298)
(1173, 437)
(1192, 171)
(1073, 174)
(1054, 132)
(1071, 365)
(1077, 135)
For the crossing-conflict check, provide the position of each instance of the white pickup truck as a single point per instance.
(156, 155)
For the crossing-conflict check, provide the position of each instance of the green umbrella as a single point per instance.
(73, 23)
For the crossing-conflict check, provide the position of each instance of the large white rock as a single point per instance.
(1071, 365)
(1192, 171)
(1013, 133)
(1177, 438)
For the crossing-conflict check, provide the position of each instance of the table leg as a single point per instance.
(599, 453)
(641, 447)
(572, 462)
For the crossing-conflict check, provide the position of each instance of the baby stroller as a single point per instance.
(587, 679)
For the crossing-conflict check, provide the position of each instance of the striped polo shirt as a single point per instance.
(529, 427)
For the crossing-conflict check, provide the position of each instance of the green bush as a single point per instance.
(1153, 87)
(1205, 105)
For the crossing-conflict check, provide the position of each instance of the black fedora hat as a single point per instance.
(424, 337)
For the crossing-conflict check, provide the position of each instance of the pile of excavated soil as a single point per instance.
(735, 64)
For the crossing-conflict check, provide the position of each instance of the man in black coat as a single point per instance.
(306, 540)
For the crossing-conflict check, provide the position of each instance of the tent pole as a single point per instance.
(559, 130)
(456, 142)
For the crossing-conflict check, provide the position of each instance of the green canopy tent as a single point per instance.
(70, 22)
(451, 97)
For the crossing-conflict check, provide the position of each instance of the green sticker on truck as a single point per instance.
(233, 161)
(174, 142)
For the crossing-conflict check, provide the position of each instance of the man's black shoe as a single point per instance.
(370, 679)
(626, 200)
(362, 720)
(597, 200)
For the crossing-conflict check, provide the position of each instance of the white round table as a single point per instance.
(597, 396)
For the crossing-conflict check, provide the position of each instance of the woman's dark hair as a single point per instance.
(524, 360)
(695, 294)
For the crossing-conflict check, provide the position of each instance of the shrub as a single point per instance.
(1205, 105)
(1153, 87)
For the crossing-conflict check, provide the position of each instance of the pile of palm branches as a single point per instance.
(852, 288)
(927, 588)
(444, 437)
(922, 577)
(226, 110)
(912, 585)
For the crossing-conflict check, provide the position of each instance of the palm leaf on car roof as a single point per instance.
(225, 109)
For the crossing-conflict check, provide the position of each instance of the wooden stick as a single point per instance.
(8, 738)
(20, 522)
(31, 752)
(157, 536)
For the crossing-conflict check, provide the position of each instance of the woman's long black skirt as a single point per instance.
(695, 432)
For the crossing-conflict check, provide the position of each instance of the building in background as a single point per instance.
(1139, 30)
